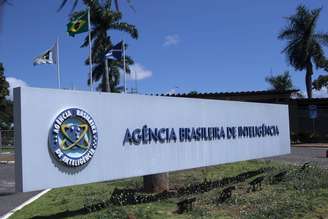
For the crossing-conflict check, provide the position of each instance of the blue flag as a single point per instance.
(115, 52)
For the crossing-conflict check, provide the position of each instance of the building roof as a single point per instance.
(265, 96)
(226, 94)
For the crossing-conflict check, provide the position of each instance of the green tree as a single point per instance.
(103, 20)
(4, 85)
(6, 114)
(304, 44)
(75, 2)
(320, 82)
(281, 82)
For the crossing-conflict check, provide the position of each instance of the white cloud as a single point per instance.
(139, 72)
(14, 82)
(171, 40)
(171, 92)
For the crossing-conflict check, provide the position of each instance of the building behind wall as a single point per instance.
(304, 128)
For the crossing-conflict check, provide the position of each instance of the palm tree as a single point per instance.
(320, 82)
(304, 47)
(75, 2)
(114, 66)
(104, 19)
(281, 82)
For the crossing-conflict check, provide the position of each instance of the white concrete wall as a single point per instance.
(36, 109)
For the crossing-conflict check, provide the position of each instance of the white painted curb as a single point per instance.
(25, 203)
(7, 162)
(5, 153)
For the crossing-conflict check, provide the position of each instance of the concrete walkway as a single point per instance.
(313, 145)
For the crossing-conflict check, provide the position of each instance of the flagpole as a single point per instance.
(124, 67)
(58, 72)
(90, 50)
(107, 75)
(136, 80)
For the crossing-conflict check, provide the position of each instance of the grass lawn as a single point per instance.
(7, 149)
(301, 194)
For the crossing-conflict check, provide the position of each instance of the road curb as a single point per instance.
(323, 146)
(7, 162)
(5, 153)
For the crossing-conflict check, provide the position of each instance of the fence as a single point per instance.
(309, 125)
(7, 143)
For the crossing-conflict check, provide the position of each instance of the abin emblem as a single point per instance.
(73, 137)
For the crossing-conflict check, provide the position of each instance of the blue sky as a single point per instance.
(206, 46)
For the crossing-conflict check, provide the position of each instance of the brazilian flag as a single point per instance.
(78, 24)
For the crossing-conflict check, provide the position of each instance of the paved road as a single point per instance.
(7, 179)
(9, 200)
(301, 155)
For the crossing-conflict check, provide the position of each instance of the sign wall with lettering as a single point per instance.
(74, 137)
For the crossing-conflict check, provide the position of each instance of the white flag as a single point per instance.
(48, 57)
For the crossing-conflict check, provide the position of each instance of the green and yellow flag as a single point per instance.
(78, 24)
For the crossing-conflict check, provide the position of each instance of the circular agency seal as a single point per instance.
(73, 137)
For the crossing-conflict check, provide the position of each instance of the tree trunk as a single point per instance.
(308, 79)
(156, 183)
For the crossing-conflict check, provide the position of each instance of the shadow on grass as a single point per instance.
(121, 197)
(64, 214)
